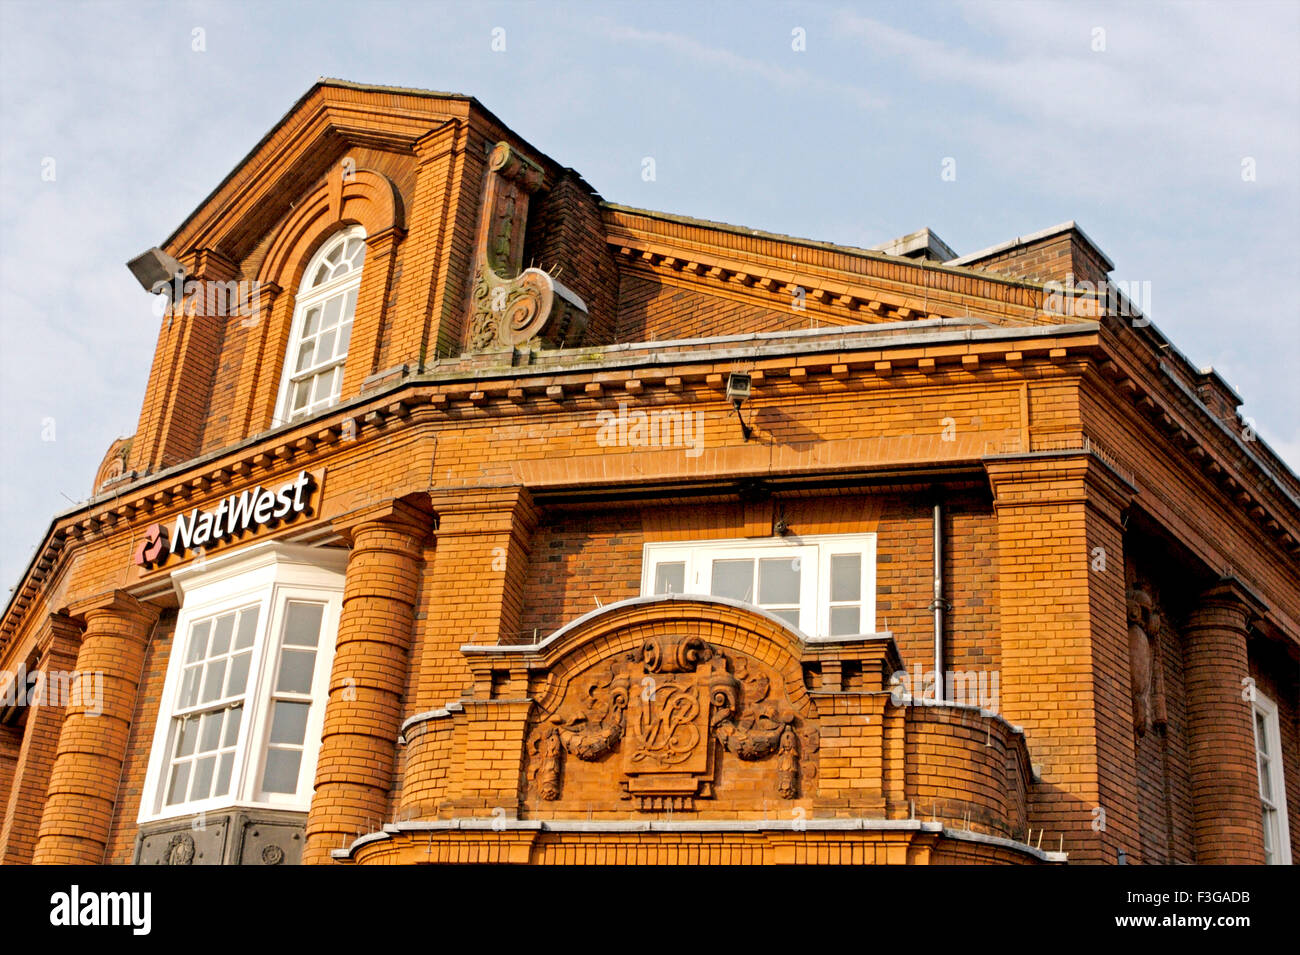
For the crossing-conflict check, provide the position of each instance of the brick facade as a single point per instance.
(534, 391)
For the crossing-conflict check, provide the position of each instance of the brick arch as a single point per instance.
(624, 626)
(367, 198)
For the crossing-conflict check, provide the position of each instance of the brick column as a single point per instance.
(1064, 644)
(1220, 728)
(354, 773)
(31, 771)
(97, 722)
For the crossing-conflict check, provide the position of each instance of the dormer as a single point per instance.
(371, 232)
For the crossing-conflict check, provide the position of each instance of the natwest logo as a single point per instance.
(248, 510)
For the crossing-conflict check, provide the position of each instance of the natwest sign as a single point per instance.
(236, 514)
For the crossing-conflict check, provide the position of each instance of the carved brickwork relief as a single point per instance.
(666, 715)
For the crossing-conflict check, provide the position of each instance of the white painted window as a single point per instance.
(821, 586)
(322, 327)
(1272, 788)
(244, 698)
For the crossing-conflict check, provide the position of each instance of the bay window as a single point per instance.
(821, 586)
(244, 697)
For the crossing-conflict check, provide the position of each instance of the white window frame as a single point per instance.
(308, 298)
(1271, 747)
(814, 553)
(269, 575)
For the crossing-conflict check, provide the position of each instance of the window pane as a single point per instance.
(302, 624)
(189, 731)
(221, 635)
(289, 724)
(301, 392)
(281, 771)
(213, 680)
(176, 786)
(846, 577)
(322, 390)
(203, 777)
(247, 627)
(210, 735)
(312, 323)
(325, 344)
(304, 356)
(238, 681)
(198, 642)
(295, 671)
(845, 620)
(349, 306)
(330, 318)
(233, 718)
(733, 578)
(778, 580)
(345, 334)
(671, 578)
(223, 774)
(321, 274)
(190, 686)
(789, 616)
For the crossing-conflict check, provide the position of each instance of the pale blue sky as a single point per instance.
(1142, 143)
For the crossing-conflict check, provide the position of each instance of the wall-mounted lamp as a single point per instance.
(738, 386)
(155, 270)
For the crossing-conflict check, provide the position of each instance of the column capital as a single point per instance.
(119, 603)
(399, 514)
(1057, 477)
(60, 636)
(513, 505)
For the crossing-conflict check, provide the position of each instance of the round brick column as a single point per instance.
(87, 770)
(1221, 731)
(354, 772)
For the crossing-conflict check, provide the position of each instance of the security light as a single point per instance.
(738, 390)
(155, 269)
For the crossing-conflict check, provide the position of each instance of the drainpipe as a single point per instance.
(938, 604)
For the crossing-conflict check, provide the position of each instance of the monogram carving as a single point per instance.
(509, 307)
(671, 708)
(180, 851)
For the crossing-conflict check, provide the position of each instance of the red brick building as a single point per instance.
(471, 517)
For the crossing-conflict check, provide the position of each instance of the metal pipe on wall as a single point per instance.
(938, 604)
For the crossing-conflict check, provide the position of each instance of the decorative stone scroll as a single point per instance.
(510, 308)
(671, 708)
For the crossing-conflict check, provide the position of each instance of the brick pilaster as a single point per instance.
(87, 771)
(1064, 646)
(479, 567)
(1220, 728)
(175, 408)
(40, 740)
(354, 772)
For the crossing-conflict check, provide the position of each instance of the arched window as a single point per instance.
(322, 326)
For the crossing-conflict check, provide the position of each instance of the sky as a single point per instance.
(1169, 132)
